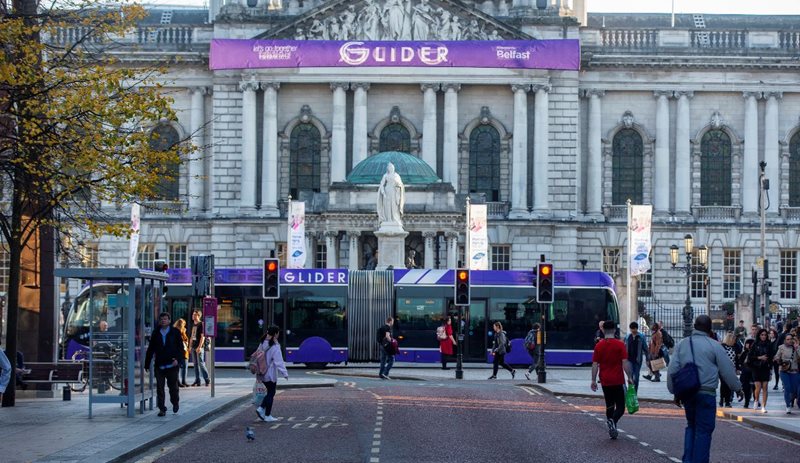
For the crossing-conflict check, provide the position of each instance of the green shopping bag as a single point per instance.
(631, 401)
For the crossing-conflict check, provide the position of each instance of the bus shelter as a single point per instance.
(120, 321)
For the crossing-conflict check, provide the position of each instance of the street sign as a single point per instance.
(210, 316)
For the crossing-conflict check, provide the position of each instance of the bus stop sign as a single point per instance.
(210, 316)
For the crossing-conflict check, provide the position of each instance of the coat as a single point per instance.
(446, 345)
(165, 353)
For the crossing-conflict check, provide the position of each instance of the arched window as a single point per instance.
(626, 167)
(162, 138)
(395, 137)
(304, 154)
(484, 162)
(794, 171)
(715, 169)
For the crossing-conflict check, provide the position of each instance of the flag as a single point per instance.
(297, 235)
(639, 242)
(477, 238)
(133, 248)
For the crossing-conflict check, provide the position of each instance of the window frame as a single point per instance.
(731, 273)
(485, 159)
(627, 160)
(788, 274)
(305, 151)
(500, 257)
(716, 168)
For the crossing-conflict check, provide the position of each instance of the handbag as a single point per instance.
(658, 364)
(259, 391)
(686, 381)
(631, 400)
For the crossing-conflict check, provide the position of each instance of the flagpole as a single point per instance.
(468, 246)
(630, 292)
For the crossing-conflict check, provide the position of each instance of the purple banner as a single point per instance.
(513, 54)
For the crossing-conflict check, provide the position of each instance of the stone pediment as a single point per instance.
(395, 20)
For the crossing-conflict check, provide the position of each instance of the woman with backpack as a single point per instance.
(499, 350)
(274, 365)
(447, 342)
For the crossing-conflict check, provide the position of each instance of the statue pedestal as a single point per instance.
(391, 246)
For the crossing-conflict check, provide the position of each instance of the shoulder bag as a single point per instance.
(686, 382)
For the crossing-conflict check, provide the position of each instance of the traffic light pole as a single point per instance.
(459, 347)
(541, 338)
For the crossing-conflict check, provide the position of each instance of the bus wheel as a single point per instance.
(316, 365)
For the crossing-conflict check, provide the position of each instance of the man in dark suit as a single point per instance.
(167, 345)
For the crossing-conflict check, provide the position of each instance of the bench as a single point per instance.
(49, 372)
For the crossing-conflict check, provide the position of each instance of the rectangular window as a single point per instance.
(90, 255)
(321, 256)
(147, 254)
(462, 260)
(699, 281)
(280, 252)
(646, 280)
(789, 275)
(177, 256)
(611, 260)
(501, 257)
(417, 318)
(322, 316)
(5, 266)
(731, 273)
(229, 323)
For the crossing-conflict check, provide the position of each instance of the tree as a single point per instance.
(74, 127)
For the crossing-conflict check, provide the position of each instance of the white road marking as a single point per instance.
(676, 460)
(374, 460)
(631, 436)
(660, 452)
(644, 444)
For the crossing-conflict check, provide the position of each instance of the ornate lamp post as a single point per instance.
(702, 254)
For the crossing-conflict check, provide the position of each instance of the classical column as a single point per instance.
(248, 178)
(594, 176)
(311, 250)
(771, 149)
(339, 132)
(519, 153)
(331, 247)
(196, 163)
(541, 150)
(683, 163)
(269, 165)
(359, 122)
(750, 163)
(354, 254)
(661, 170)
(450, 171)
(429, 124)
(429, 249)
(452, 249)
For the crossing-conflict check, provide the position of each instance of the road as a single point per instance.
(374, 421)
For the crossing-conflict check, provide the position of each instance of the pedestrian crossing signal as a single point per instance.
(544, 283)
(462, 296)
(272, 285)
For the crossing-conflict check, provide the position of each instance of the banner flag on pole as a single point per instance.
(477, 238)
(639, 244)
(133, 247)
(297, 235)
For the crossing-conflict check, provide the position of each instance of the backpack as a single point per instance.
(258, 362)
(667, 339)
(530, 340)
(508, 343)
(441, 333)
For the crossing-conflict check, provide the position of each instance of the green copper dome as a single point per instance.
(412, 170)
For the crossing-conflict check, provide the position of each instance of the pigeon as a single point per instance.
(251, 435)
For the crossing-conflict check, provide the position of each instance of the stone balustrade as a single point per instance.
(697, 40)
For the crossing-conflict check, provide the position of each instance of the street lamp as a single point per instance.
(702, 255)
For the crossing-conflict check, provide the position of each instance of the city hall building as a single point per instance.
(677, 116)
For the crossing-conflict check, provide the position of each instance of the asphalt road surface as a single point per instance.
(374, 421)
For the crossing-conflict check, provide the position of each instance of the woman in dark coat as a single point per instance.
(759, 361)
(745, 375)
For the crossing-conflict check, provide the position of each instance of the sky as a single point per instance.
(642, 6)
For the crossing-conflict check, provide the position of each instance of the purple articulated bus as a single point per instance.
(331, 316)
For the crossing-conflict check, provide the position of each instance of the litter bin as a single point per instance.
(67, 393)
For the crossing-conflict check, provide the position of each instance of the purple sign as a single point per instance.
(513, 54)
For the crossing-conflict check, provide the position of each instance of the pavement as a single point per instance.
(53, 430)
(574, 381)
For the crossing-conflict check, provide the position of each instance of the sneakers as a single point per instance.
(493, 377)
(648, 377)
(260, 413)
(174, 409)
(528, 376)
(270, 419)
(763, 409)
(612, 428)
(513, 373)
(382, 376)
(788, 410)
(162, 413)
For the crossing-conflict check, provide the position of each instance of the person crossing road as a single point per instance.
(610, 358)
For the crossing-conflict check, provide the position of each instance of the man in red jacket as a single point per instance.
(610, 357)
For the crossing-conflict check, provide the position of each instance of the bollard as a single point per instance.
(67, 393)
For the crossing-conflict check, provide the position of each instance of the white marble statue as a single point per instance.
(369, 19)
(391, 199)
(421, 20)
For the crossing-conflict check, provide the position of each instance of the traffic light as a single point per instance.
(544, 283)
(272, 282)
(462, 295)
(160, 265)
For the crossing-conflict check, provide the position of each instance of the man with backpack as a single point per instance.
(387, 348)
(532, 347)
(637, 349)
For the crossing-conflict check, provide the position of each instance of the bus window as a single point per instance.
(229, 323)
(316, 316)
(417, 320)
(516, 315)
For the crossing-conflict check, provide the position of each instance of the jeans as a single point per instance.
(615, 401)
(199, 358)
(170, 376)
(791, 386)
(636, 369)
(269, 397)
(534, 359)
(701, 413)
(183, 364)
(386, 362)
(665, 354)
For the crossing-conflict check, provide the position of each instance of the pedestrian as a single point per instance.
(745, 374)
(166, 346)
(598, 334)
(447, 342)
(180, 325)
(654, 352)
(5, 373)
(701, 408)
(667, 342)
(753, 331)
(787, 358)
(532, 346)
(275, 365)
(760, 365)
(740, 332)
(610, 357)
(387, 353)
(636, 348)
(773, 340)
(197, 343)
(499, 350)
(725, 393)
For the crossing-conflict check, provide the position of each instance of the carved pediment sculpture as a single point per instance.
(395, 20)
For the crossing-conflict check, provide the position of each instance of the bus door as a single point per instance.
(255, 322)
(474, 330)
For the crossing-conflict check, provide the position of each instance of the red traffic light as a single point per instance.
(271, 266)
